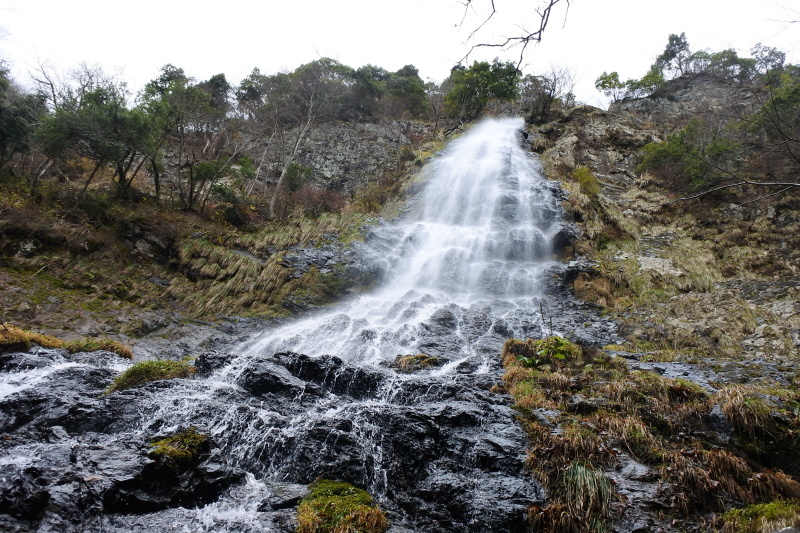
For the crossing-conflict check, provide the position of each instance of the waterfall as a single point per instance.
(438, 447)
(479, 237)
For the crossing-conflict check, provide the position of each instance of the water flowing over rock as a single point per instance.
(469, 266)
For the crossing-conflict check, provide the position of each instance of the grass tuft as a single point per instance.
(93, 345)
(413, 363)
(15, 338)
(145, 371)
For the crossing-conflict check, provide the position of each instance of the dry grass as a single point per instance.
(746, 411)
(635, 437)
(16, 338)
(646, 416)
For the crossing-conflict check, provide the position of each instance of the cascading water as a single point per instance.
(479, 238)
(438, 448)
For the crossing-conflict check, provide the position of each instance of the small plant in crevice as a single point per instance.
(146, 371)
(339, 507)
(553, 352)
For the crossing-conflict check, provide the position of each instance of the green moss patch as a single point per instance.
(145, 371)
(763, 517)
(339, 507)
(180, 448)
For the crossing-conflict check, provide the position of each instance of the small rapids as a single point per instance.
(470, 265)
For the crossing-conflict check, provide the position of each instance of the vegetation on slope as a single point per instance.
(15, 338)
(587, 415)
(690, 222)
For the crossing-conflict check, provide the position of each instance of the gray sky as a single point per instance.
(233, 36)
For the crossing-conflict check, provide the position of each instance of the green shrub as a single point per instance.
(697, 156)
(339, 507)
(297, 175)
(145, 371)
(554, 351)
(588, 182)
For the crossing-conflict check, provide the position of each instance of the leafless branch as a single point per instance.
(523, 40)
(786, 185)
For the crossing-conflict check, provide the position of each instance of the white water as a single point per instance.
(479, 239)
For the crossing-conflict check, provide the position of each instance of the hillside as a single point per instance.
(693, 410)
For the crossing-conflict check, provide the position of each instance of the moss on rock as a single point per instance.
(339, 507)
(180, 448)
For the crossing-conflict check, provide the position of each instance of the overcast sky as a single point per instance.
(233, 36)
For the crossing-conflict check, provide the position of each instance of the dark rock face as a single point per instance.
(67, 459)
(438, 452)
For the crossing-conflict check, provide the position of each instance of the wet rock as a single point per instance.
(637, 472)
(576, 267)
(284, 496)
(23, 492)
(566, 237)
(207, 362)
(582, 405)
(332, 374)
(263, 377)
(157, 485)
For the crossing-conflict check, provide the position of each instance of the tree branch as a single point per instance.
(523, 40)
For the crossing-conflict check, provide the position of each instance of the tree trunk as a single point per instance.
(289, 160)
